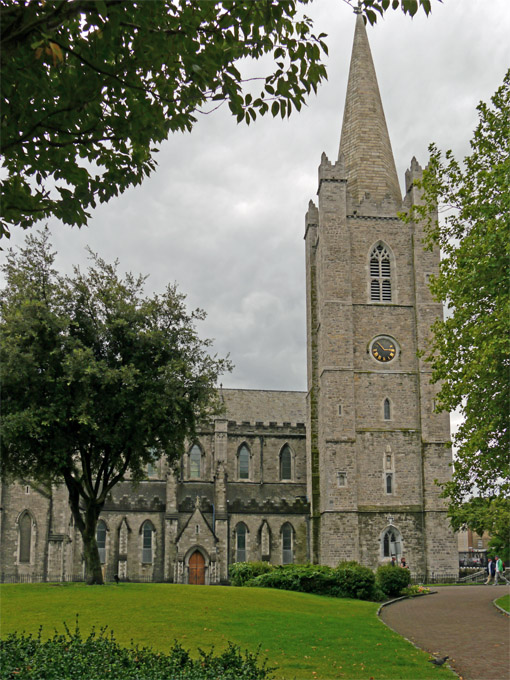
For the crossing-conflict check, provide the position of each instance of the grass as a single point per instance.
(504, 602)
(304, 636)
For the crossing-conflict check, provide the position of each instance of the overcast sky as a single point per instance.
(223, 215)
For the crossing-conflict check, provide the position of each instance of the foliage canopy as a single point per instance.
(97, 379)
(470, 349)
(89, 89)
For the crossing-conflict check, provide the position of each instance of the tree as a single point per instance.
(470, 350)
(89, 88)
(486, 514)
(96, 378)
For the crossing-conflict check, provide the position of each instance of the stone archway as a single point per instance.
(196, 566)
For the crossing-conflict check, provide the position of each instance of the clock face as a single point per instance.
(383, 349)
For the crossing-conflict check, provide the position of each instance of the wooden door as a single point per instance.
(197, 569)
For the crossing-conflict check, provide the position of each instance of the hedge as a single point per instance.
(242, 572)
(347, 580)
(70, 657)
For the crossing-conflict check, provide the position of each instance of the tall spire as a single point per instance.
(365, 143)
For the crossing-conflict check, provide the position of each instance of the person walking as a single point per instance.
(491, 571)
(499, 571)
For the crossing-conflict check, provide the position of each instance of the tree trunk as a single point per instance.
(86, 522)
(93, 568)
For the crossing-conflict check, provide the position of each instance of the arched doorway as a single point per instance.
(196, 569)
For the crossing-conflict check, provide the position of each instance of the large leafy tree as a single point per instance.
(89, 87)
(470, 349)
(96, 378)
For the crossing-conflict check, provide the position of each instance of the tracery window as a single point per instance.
(391, 543)
(101, 540)
(380, 274)
(286, 463)
(243, 462)
(195, 461)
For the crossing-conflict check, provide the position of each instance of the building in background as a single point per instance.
(345, 471)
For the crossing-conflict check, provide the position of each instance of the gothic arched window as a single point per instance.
(380, 274)
(101, 540)
(286, 463)
(147, 542)
(195, 461)
(287, 544)
(243, 462)
(25, 538)
(391, 543)
(241, 542)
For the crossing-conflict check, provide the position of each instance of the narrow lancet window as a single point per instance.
(387, 409)
(147, 531)
(25, 538)
(195, 459)
(241, 543)
(286, 463)
(287, 547)
(101, 540)
(244, 462)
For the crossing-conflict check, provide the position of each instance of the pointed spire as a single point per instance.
(365, 143)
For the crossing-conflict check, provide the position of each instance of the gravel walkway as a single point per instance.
(461, 622)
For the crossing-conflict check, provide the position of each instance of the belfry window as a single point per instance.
(380, 274)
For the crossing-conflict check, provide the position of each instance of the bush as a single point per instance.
(304, 578)
(355, 580)
(70, 657)
(347, 580)
(392, 580)
(242, 572)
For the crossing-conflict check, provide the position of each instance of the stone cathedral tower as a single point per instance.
(356, 482)
(374, 444)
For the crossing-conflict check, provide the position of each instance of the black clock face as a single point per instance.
(383, 349)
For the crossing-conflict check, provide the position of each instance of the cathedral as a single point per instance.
(343, 471)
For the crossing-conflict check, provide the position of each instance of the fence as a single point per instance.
(38, 578)
(68, 578)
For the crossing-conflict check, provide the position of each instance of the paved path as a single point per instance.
(461, 622)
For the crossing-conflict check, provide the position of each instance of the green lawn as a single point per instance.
(504, 602)
(304, 636)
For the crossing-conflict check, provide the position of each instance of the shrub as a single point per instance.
(392, 580)
(71, 657)
(304, 578)
(355, 580)
(348, 580)
(242, 572)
